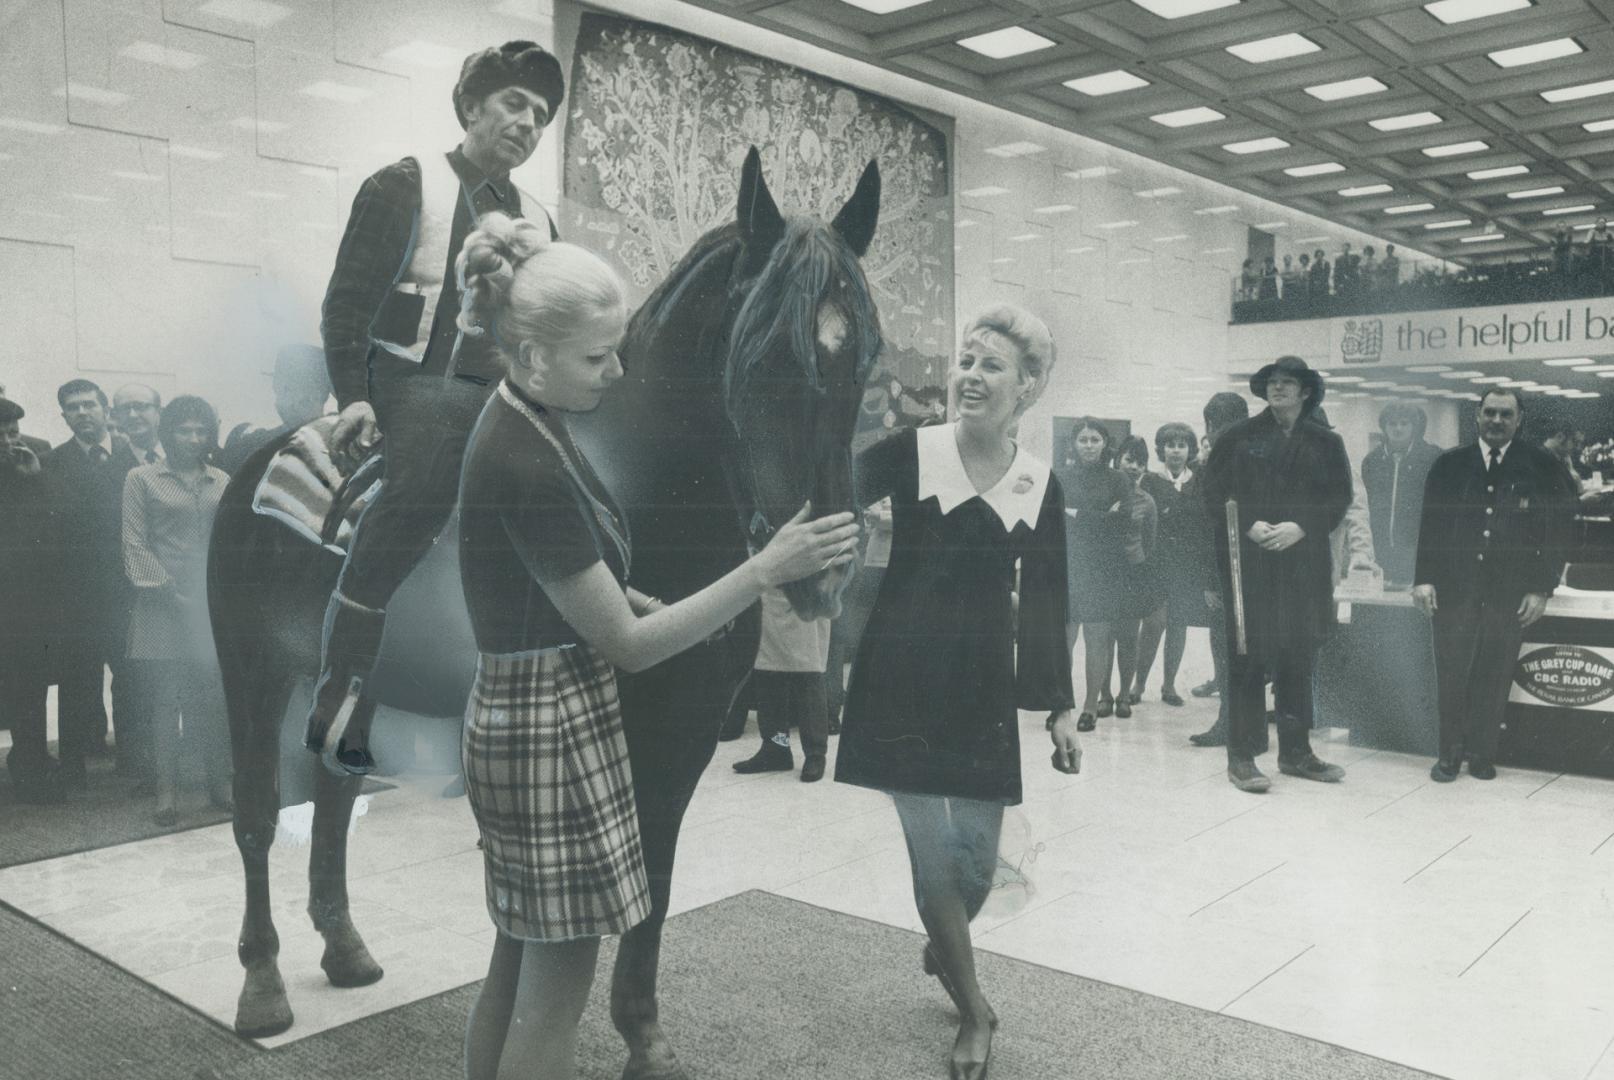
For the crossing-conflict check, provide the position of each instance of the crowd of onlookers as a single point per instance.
(103, 557)
(1367, 281)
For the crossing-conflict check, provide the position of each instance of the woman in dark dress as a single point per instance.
(1143, 588)
(944, 665)
(1177, 448)
(544, 553)
(1095, 530)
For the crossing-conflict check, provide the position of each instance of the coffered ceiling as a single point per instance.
(1464, 128)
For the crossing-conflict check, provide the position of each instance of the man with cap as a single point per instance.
(27, 557)
(398, 365)
(1490, 552)
(1291, 481)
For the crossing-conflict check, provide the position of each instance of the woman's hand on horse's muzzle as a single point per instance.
(802, 548)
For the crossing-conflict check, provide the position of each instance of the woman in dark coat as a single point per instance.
(1292, 483)
(1178, 520)
(1143, 590)
(1096, 522)
(946, 662)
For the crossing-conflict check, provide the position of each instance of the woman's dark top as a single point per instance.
(1143, 588)
(532, 512)
(942, 667)
(1180, 517)
(1095, 539)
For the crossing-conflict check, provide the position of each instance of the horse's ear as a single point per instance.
(861, 213)
(760, 221)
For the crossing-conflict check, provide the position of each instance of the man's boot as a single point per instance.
(774, 756)
(339, 720)
(1295, 756)
(1245, 776)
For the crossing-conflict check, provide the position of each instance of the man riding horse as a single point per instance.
(400, 367)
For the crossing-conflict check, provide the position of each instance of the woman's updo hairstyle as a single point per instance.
(1029, 334)
(517, 283)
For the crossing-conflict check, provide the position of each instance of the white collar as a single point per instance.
(1016, 497)
(1501, 451)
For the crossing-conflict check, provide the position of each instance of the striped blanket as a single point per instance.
(303, 486)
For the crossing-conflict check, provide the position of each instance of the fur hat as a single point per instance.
(1296, 369)
(515, 63)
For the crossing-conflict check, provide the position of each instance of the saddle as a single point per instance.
(305, 489)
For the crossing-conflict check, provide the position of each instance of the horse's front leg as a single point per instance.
(347, 962)
(668, 757)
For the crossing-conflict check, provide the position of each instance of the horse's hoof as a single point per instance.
(262, 1010)
(665, 1068)
(349, 964)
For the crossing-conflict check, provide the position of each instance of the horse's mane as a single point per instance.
(804, 265)
(712, 255)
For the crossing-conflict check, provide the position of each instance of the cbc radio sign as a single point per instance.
(1564, 677)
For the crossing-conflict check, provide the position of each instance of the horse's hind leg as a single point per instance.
(255, 710)
(347, 962)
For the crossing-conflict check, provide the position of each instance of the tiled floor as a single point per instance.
(1465, 929)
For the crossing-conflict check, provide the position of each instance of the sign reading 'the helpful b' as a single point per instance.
(1564, 677)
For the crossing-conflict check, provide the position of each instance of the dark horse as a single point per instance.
(744, 374)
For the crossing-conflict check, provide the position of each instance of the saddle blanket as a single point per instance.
(303, 486)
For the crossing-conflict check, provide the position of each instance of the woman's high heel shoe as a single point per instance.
(1105, 706)
(970, 1069)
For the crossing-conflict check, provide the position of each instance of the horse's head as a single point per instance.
(804, 338)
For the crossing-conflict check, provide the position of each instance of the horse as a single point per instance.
(744, 372)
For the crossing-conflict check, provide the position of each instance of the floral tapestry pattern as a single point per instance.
(659, 123)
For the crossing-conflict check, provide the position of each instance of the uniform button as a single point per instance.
(1486, 533)
(1490, 487)
(1489, 511)
(1480, 556)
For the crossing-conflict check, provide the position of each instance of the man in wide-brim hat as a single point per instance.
(1291, 481)
(400, 367)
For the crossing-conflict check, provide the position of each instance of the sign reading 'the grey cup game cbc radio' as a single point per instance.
(1564, 677)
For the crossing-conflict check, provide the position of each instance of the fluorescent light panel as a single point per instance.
(1272, 225)
(1346, 88)
(1179, 9)
(1158, 193)
(95, 95)
(342, 93)
(1504, 170)
(1452, 224)
(1322, 168)
(1216, 210)
(1010, 41)
(1016, 149)
(1281, 47)
(1483, 238)
(1599, 125)
(1456, 11)
(1054, 208)
(1568, 361)
(257, 13)
(984, 192)
(1583, 208)
(149, 52)
(1472, 146)
(1556, 49)
(1366, 189)
(424, 54)
(1199, 114)
(1409, 208)
(1256, 146)
(884, 7)
(1405, 121)
(1575, 93)
(1107, 82)
(1536, 193)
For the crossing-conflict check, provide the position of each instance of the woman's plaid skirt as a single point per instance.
(546, 768)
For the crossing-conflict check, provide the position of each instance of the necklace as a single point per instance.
(603, 514)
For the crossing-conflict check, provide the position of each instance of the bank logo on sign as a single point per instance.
(1362, 342)
(1568, 676)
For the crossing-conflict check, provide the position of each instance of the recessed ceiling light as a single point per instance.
(1172, 239)
(1346, 88)
(1178, 9)
(1409, 208)
(1322, 168)
(1256, 146)
(1158, 193)
(1575, 93)
(1217, 251)
(1482, 238)
(1492, 174)
(1568, 362)
(1429, 369)
(1002, 260)
(884, 7)
(1599, 125)
(984, 192)
(1010, 41)
(257, 13)
(1055, 208)
(1489, 380)
(1108, 82)
(1124, 224)
(1346, 379)
(1581, 209)
(1216, 210)
(1368, 189)
(327, 90)
(1555, 49)
(1016, 149)
(149, 52)
(95, 95)
(1464, 374)
(1456, 11)
(1271, 225)
(425, 54)
(1472, 146)
(1092, 172)
(1405, 121)
(1281, 47)
(1199, 114)
(1536, 193)
(1026, 238)
(1313, 239)
(1593, 367)
(1452, 224)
